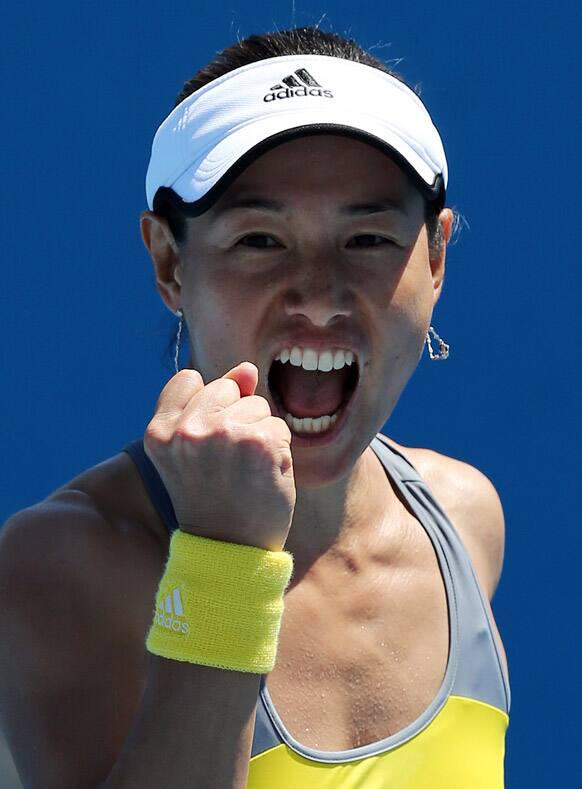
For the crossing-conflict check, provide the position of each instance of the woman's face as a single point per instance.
(321, 235)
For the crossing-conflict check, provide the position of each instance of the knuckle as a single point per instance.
(256, 441)
(188, 432)
(189, 375)
(260, 403)
(282, 426)
(156, 433)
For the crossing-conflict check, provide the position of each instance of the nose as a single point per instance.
(319, 290)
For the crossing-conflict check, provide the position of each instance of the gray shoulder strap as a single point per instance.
(480, 672)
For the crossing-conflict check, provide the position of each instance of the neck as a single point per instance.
(335, 519)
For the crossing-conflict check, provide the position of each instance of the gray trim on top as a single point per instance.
(481, 674)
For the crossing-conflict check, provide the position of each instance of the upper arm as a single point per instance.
(482, 525)
(66, 643)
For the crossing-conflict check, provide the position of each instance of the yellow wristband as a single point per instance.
(220, 604)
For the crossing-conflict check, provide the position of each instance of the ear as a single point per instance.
(438, 255)
(165, 255)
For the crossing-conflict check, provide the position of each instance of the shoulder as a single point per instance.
(115, 488)
(68, 551)
(472, 504)
(88, 545)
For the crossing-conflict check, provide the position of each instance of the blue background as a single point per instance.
(85, 333)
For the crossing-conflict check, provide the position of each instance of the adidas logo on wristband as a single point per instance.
(170, 612)
(300, 83)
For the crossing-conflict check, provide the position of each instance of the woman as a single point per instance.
(319, 593)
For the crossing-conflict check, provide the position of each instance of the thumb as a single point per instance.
(246, 374)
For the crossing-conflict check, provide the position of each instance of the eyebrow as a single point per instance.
(266, 204)
(260, 203)
(376, 207)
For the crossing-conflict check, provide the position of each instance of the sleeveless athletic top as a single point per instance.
(459, 740)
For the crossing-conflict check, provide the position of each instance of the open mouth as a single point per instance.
(312, 402)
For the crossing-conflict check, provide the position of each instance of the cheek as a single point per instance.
(407, 307)
(416, 285)
(404, 329)
(223, 324)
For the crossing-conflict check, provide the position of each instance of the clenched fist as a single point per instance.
(224, 458)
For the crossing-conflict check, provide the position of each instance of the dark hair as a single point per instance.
(297, 41)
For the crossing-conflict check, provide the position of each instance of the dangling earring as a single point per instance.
(444, 348)
(181, 314)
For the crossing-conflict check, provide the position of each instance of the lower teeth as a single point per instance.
(309, 425)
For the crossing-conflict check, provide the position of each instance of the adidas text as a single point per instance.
(168, 621)
(290, 93)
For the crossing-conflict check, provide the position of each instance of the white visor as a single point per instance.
(208, 139)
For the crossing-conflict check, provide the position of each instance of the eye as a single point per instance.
(368, 240)
(258, 241)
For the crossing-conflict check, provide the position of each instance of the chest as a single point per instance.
(364, 655)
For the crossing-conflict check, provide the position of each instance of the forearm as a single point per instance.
(195, 724)
(194, 729)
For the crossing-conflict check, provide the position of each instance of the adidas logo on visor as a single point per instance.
(170, 612)
(300, 83)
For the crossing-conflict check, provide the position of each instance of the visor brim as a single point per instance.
(224, 170)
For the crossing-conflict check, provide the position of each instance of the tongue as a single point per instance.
(311, 393)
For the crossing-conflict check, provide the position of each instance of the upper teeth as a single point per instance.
(314, 360)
